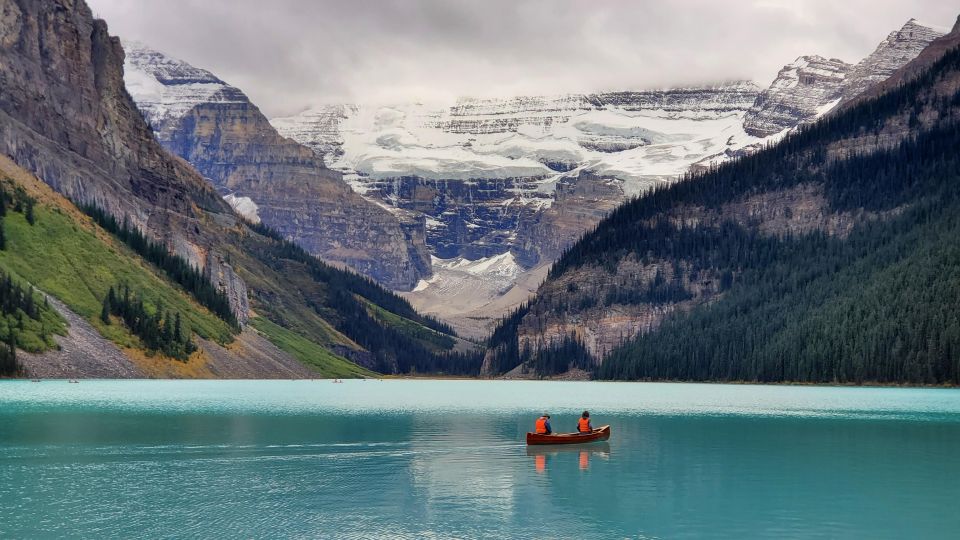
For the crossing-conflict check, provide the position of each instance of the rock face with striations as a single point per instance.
(496, 175)
(802, 91)
(812, 85)
(915, 67)
(270, 178)
(893, 53)
(66, 117)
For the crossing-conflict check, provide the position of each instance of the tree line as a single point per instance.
(15, 198)
(355, 283)
(880, 306)
(174, 266)
(18, 303)
(159, 330)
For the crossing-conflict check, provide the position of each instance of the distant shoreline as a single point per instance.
(872, 384)
(502, 379)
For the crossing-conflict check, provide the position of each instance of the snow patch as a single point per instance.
(243, 206)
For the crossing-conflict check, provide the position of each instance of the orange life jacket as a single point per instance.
(541, 425)
(584, 425)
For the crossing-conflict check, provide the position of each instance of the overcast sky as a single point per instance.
(289, 54)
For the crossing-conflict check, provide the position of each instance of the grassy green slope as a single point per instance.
(307, 308)
(33, 334)
(71, 260)
(67, 256)
(326, 363)
(428, 337)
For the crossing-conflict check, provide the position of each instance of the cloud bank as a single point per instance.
(289, 54)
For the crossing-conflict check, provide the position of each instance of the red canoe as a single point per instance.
(601, 433)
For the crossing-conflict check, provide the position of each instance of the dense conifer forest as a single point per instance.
(879, 305)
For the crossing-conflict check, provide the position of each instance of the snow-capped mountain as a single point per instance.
(894, 52)
(803, 90)
(166, 89)
(527, 175)
(522, 176)
(812, 85)
(618, 133)
(269, 178)
(475, 166)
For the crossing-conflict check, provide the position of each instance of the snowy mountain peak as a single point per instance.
(802, 91)
(165, 69)
(165, 89)
(810, 86)
(900, 47)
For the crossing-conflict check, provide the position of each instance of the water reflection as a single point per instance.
(544, 454)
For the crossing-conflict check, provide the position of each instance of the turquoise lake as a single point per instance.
(447, 459)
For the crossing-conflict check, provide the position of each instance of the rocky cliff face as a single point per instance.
(66, 116)
(270, 178)
(924, 60)
(812, 85)
(802, 91)
(893, 53)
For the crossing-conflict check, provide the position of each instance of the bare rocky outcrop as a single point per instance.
(801, 92)
(222, 275)
(812, 85)
(933, 52)
(580, 203)
(898, 49)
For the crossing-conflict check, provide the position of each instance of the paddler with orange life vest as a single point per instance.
(583, 425)
(543, 424)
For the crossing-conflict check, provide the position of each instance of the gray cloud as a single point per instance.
(288, 54)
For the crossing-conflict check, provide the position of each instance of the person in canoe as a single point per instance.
(542, 426)
(583, 425)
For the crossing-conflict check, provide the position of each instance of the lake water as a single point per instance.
(447, 459)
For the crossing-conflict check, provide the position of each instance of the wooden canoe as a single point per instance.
(601, 433)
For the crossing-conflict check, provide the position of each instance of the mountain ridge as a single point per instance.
(216, 128)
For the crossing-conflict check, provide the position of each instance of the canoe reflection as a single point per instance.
(542, 455)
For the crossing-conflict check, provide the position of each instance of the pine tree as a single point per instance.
(12, 347)
(177, 329)
(168, 334)
(105, 311)
(29, 212)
